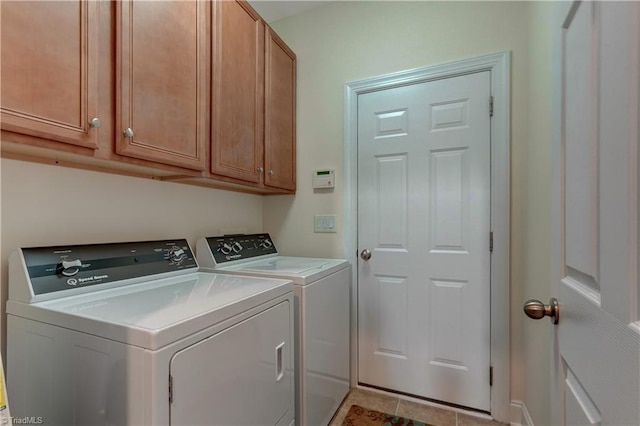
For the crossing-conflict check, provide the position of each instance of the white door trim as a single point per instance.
(499, 65)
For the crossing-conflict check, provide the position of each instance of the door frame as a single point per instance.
(499, 66)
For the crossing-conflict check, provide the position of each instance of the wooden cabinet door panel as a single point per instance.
(162, 81)
(49, 69)
(280, 113)
(237, 91)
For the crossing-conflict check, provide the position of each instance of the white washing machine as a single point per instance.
(135, 334)
(322, 304)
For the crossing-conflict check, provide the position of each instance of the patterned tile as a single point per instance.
(466, 420)
(371, 400)
(427, 414)
(412, 410)
(338, 418)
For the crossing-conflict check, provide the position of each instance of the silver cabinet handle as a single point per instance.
(128, 132)
(537, 310)
(95, 122)
(260, 169)
(365, 254)
(270, 173)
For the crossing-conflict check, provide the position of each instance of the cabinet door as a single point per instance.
(237, 92)
(162, 88)
(49, 69)
(280, 113)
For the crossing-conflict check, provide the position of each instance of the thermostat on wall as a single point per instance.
(324, 179)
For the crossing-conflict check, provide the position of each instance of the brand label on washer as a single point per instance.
(93, 279)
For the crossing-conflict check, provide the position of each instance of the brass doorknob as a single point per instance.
(536, 309)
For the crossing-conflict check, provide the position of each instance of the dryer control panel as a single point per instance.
(229, 248)
(61, 268)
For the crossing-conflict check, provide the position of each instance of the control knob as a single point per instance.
(266, 244)
(237, 247)
(176, 254)
(70, 267)
(226, 248)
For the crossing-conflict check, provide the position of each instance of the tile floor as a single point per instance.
(421, 412)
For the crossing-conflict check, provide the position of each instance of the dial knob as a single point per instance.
(177, 254)
(69, 268)
(226, 248)
(266, 244)
(237, 247)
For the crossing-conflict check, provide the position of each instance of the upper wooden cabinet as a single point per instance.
(253, 100)
(280, 113)
(162, 78)
(237, 93)
(200, 92)
(49, 70)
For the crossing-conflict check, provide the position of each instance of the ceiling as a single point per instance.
(272, 11)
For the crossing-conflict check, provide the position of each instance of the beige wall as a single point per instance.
(536, 212)
(346, 41)
(44, 205)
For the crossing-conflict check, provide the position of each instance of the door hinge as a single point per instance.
(170, 389)
(491, 241)
(491, 376)
(490, 106)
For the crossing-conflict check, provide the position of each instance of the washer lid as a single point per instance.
(302, 270)
(156, 313)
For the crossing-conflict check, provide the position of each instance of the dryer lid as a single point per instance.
(158, 312)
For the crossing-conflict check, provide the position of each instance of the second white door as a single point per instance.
(424, 212)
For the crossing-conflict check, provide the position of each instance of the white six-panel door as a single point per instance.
(424, 213)
(596, 344)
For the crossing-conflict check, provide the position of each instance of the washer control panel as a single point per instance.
(236, 247)
(53, 269)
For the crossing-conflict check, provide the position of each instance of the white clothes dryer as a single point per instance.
(322, 319)
(135, 334)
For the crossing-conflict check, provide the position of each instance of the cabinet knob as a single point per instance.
(128, 132)
(260, 169)
(270, 173)
(95, 122)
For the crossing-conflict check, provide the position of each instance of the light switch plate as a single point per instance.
(325, 223)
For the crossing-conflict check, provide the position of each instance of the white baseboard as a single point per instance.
(519, 416)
